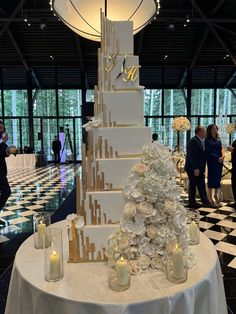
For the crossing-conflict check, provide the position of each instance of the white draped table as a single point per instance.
(21, 161)
(84, 288)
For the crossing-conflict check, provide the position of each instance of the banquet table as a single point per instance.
(84, 288)
(21, 161)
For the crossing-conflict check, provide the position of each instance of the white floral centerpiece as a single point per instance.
(230, 128)
(181, 124)
(152, 213)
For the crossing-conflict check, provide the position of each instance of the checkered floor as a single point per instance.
(220, 226)
(34, 190)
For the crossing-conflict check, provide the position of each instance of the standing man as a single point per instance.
(232, 149)
(195, 167)
(4, 185)
(56, 147)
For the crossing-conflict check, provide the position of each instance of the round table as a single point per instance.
(84, 288)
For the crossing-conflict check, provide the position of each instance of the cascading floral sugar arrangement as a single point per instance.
(152, 214)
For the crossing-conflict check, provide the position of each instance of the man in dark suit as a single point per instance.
(195, 167)
(232, 149)
(56, 147)
(4, 185)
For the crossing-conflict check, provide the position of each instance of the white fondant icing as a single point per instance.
(127, 141)
(124, 35)
(116, 170)
(125, 107)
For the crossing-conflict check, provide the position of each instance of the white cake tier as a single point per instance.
(116, 170)
(125, 108)
(124, 36)
(111, 204)
(99, 235)
(124, 141)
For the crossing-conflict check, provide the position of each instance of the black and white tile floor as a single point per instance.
(34, 190)
(220, 226)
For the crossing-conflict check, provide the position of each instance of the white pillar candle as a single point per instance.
(41, 234)
(193, 232)
(123, 272)
(55, 265)
(178, 262)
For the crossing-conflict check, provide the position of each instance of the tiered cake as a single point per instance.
(115, 140)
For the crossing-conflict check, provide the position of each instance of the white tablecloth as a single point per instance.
(84, 288)
(21, 161)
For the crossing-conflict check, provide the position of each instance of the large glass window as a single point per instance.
(45, 103)
(18, 131)
(15, 103)
(225, 102)
(90, 95)
(175, 103)
(70, 102)
(202, 102)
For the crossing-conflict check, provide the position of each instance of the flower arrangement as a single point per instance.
(181, 124)
(230, 128)
(152, 213)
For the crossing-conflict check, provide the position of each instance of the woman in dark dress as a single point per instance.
(215, 158)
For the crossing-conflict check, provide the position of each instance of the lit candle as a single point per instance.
(123, 271)
(178, 262)
(193, 232)
(55, 266)
(41, 234)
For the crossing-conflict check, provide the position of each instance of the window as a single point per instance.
(152, 102)
(70, 102)
(90, 95)
(202, 102)
(225, 102)
(45, 103)
(15, 103)
(175, 103)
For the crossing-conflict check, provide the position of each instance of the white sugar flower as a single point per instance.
(144, 262)
(130, 209)
(151, 231)
(146, 209)
(140, 168)
(134, 227)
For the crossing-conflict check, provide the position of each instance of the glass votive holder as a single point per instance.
(41, 221)
(176, 262)
(193, 218)
(53, 255)
(119, 272)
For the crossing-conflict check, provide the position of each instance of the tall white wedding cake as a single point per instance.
(128, 199)
(116, 136)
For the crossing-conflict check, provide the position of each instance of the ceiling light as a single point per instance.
(83, 16)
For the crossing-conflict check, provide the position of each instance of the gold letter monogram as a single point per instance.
(131, 73)
(112, 59)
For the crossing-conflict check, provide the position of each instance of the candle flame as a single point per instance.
(122, 258)
(54, 253)
(177, 246)
(41, 222)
